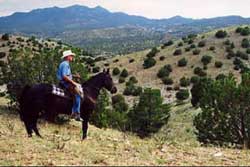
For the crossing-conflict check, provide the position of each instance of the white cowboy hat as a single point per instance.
(67, 53)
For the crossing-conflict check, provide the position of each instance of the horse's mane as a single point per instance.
(92, 80)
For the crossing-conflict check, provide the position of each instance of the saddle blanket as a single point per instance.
(60, 92)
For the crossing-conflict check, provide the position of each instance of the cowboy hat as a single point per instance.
(67, 53)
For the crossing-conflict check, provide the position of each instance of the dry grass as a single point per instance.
(62, 145)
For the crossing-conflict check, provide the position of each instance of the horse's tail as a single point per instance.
(22, 101)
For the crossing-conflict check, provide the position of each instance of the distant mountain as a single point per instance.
(59, 23)
(56, 20)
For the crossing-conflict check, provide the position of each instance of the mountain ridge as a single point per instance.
(70, 25)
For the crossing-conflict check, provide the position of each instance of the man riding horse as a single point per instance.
(41, 100)
(65, 76)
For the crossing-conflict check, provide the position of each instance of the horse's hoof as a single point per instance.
(40, 136)
(29, 135)
(84, 137)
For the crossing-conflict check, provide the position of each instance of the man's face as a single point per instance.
(70, 58)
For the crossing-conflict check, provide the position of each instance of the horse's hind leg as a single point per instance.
(36, 131)
(34, 127)
(28, 128)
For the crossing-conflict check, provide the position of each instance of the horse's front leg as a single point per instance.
(85, 114)
(84, 129)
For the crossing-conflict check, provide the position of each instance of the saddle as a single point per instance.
(61, 91)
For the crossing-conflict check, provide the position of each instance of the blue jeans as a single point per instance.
(77, 102)
(76, 105)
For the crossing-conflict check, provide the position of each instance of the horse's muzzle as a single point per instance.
(113, 90)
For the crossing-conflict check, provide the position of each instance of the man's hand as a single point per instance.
(77, 75)
(67, 79)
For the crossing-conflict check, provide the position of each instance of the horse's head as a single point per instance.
(108, 81)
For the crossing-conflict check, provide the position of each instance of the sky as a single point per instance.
(156, 9)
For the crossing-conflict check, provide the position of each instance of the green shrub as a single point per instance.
(116, 71)
(167, 80)
(196, 52)
(2, 55)
(202, 44)
(164, 71)
(180, 44)
(149, 62)
(190, 41)
(152, 53)
(169, 43)
(2, 63)
(192, 36)
(182, 62)
(132, 90)
(119, 104)
(184, 82)
(220, 77)
(40, 68)
(242, 55)
(177, 52)
(232, 46)
(96, 69)
(237, 62)
(121, 79)
(236, 67)
(230, 55)
(248, 51)
(168, 67)
(162, 58)
(238, 29)
(198, 71)
(124, 73)
(245, 43)
(245, 31)
(192, 46)
(225, 107)
(133, 80)
(106, 64)
(104, 117)
(131, 60)
(182, 94)
(206, 59)
(187, 49)
(227, 42)
(149, 114)
(184, 39)
(212, 48)
(221, 34)
(218, 64)
(194, 79)
(5, 37)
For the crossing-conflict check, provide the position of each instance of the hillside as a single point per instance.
(79, 25)
(148, 77)
(62, 145)
(17, 42)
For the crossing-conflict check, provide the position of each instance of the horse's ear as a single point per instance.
(104, 70)
(108, 71)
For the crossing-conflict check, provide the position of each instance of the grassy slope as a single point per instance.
(62, 145)
(148, 77)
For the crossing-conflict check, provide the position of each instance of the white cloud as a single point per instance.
(148, 8)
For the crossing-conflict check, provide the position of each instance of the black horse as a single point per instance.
(38, 100)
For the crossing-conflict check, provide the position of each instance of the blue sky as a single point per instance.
(148, 8)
